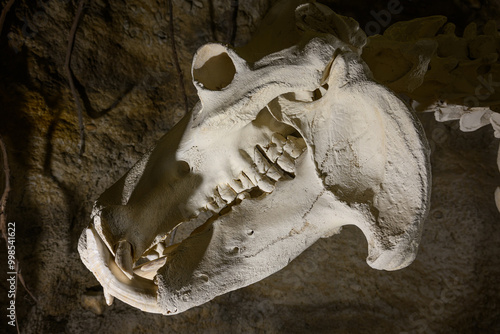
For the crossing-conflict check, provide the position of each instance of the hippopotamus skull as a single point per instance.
(278, 153)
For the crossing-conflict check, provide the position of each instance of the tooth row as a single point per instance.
(281, 151)
(226, 193)
(270, 163)
(284, 152)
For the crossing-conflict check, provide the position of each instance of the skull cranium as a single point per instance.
(278, 153)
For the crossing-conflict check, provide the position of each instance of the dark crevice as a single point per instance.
(69, 72)
(91, 112)
(176, 56)
(234, 21)
(212, 19)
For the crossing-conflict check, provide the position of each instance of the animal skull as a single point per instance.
(278, 153)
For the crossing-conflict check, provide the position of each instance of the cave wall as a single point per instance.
(134, 88)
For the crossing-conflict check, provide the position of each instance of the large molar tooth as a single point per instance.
(294, 146)
(245, 181)
(286, 163)
(274, 173)
(226, 192)
(237, 185)
(218, 199)
(273, 153)
(265, 184)
(279, 141)
(123, 258)
(261, 162)
(212, 206)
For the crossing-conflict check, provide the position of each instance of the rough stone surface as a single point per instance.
(123, 52)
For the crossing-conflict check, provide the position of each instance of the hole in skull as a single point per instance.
(213, 68)
(307, 96)
(320, 92)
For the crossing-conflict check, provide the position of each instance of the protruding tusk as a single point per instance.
(124, 258)
(109, 298)
(138, 292)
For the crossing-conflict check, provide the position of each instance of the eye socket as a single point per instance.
(213, 68)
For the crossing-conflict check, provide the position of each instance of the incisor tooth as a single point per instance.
(160, 247)
(322, 90)
(153, 255)
(136, 292)
(123, 258)
(169, 249)
(149, 269)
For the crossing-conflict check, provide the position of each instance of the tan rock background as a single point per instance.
(128, 79)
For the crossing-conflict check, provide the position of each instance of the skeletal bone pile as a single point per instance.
(455, 77)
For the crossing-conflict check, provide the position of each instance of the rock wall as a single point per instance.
(134, 88)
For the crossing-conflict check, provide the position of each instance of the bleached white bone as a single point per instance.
(291, 140)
